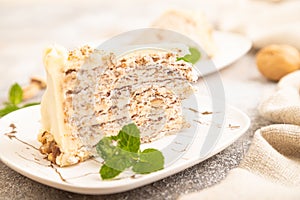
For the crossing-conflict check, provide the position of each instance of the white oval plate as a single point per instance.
(19, 150)
(230, 47)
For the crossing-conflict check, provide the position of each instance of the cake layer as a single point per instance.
(92, 94)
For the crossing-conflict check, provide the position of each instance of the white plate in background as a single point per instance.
(230, 47)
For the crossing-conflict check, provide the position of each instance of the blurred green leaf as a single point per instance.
(193, 57)
(15, 94)
(8, 109)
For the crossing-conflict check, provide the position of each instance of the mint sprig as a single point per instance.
(150, 160)
(193, 57)
(15, 94)
(129, 138)
(108, 172)
(8, 109)
(15, 97)
(122, 151)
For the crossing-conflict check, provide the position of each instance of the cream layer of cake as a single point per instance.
(91, 94)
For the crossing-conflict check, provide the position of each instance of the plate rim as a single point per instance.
(247, 47)
(134, 183)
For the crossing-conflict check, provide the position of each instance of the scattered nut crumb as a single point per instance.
(233, 127)
(206, 113)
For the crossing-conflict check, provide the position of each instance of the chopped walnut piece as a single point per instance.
(36, 85)
(49, 146)
(157, 102)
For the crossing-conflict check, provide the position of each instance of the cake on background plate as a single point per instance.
(191, 24)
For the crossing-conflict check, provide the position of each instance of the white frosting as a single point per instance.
(55, 59)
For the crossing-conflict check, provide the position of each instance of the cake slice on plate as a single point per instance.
(91, 94)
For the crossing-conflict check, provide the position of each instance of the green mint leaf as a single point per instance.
(106, 149)
(30, 104)
(8, 109)
(193, 57)
(15, 94)
(7, 104)
(15, 97)
(129, 138)
(151, 160)
(114, 137)
(122, 151)
(120, 161)
(108, 172)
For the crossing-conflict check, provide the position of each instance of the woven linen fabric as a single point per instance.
(283, 106)
(271, 168)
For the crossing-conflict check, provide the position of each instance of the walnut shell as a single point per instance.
(276, 61)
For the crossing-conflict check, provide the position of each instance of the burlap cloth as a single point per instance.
(271, 168)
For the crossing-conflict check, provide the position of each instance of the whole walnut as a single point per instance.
(276, 61)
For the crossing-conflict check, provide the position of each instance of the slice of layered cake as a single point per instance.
(92, 93)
